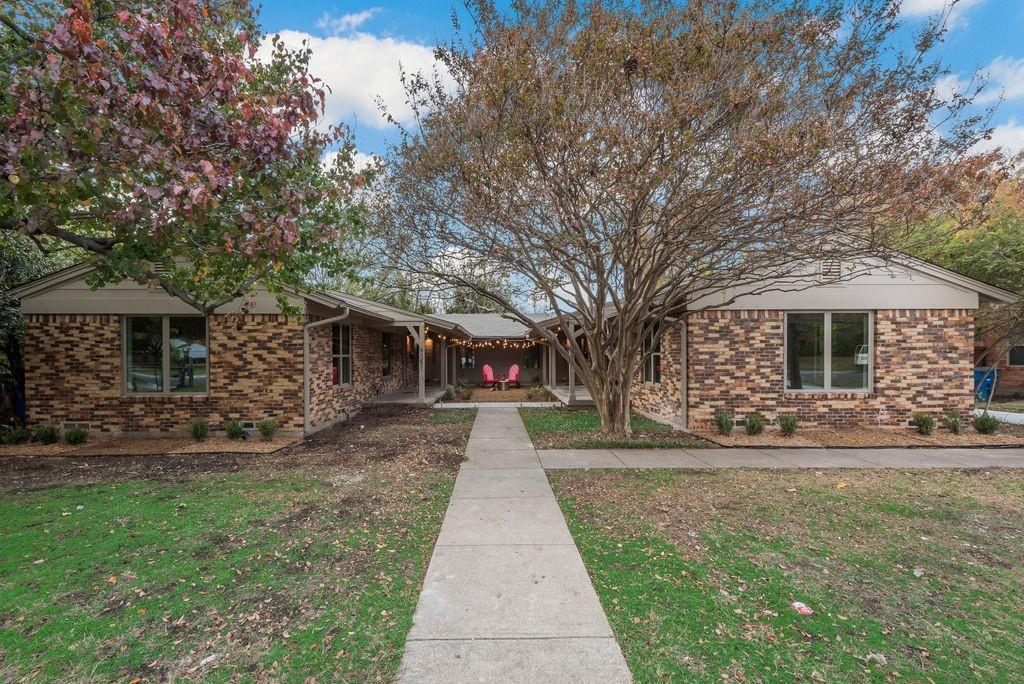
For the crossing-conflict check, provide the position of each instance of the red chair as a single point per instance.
(489, 377)
(513, 376)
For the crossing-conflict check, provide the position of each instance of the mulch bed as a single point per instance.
(481, 395)
(400, 435)
(1007, 436)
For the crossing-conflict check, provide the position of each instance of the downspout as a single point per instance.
(305, 363)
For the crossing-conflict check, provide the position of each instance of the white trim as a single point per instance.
(1007, 361)
(341, 355)
(827, 351)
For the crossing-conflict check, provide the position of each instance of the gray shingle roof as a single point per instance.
(490, 324)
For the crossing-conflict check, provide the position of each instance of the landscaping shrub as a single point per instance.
(924, 422)
(986, 424)
(954, 423)
(198, 428)
(754, 423)
(76, 435)
(16, 434)
(267, 428)
(787, 425)
(449, 392)
(47, 434)
(234, 429)
(724, 422)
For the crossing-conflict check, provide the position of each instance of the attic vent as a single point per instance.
(160, 269)
(831, 270)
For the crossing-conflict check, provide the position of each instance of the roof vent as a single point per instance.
(831, 271)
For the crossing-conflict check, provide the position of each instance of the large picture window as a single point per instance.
(341, 354)
(828, 351)
(165, 355)
(652, 357)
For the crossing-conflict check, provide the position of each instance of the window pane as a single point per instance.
(1017, 355)
(335, 339)
(346, 340)
(346, 370)
(189, 363)
(385, 353)
(144, 366)
(850, 351)
(805, 351)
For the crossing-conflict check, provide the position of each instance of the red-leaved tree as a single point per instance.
(148, 135)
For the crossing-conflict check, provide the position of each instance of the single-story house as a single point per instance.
(130, 358)
(895, 339)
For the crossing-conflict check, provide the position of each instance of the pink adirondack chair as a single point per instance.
(488, 377)
(513, 376)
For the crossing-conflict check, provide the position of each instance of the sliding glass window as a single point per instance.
(828, 351)
(165, 355)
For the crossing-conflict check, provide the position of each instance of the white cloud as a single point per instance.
(360, 160)
(1009, 136)
(359, 68)
(1004, 79)
(345, 23)
(922, 8)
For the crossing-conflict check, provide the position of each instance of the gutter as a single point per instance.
(305, 362)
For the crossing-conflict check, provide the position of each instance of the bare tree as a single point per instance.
(633, 160)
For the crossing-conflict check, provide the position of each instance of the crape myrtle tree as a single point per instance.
(149, 136)
(634, 160)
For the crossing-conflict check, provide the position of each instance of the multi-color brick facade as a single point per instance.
(922, 362)
(74, 374)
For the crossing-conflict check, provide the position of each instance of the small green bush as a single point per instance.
(787, 425)
(234, 429)
(199, 428)
(754, 423)
(267, 428)
(724, 422)
(449, 392)
(76, 435)
(16, 434)
(924, 422)
(986, 424)
(47, 434)
(954, 423)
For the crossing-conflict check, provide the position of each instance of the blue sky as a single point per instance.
(357, 47)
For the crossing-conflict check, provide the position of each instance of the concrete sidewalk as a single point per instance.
(506, 596)
(781, 458)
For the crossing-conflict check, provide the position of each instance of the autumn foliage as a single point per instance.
(148, 135)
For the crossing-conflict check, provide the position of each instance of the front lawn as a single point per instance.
(912, 576)
(305, 565)
(570, 428)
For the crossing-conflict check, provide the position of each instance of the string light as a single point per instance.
(496, 343)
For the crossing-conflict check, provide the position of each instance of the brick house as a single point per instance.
(891, 340)
(127, 358)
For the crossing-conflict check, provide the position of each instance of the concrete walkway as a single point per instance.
(506, 597)
(1004, 416)
(782, 458)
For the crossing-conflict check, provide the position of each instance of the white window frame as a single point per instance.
(828, 353)
(386, 352)
(344, 330)
(165, 332)
(653, 342)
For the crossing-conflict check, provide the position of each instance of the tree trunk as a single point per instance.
(612, 402)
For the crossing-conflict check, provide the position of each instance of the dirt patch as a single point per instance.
(1008, 435)
(396, 436)
(223, 445)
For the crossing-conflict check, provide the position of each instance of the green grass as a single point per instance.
(581, 429)
(1012, 406)
(697, 571)
(448, 416)
(287, 578)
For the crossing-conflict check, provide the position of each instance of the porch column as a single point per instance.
(552, 366)
(418, 333)
(444, 364)
(570, 341)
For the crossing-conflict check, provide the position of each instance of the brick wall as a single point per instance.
(922, 362)
(74, 371)
(330, 401)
